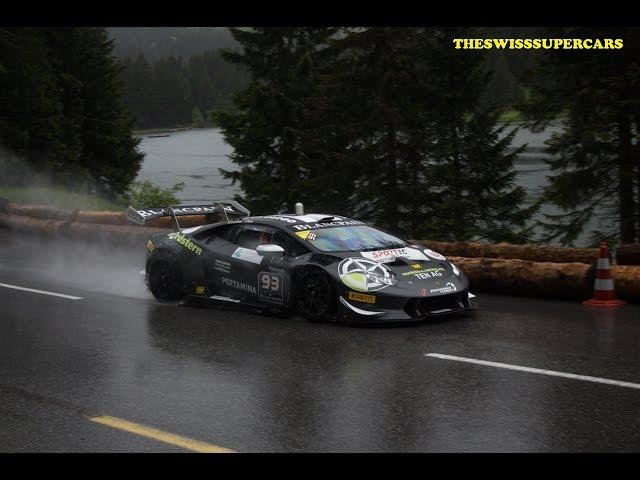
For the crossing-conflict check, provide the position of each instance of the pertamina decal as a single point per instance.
(245, 287)
(361, 297)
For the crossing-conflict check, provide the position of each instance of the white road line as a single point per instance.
(552, 373)
(43, 292)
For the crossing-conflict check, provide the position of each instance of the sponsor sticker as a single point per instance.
(424, 292)
(247, 255)
(237, 285)
(361, 297)
(185, 242)
(425, 273)
(365, 275)
(416, 266)
(222, 266)
(150, 245)
(200, 289)
(315, 226)
(304, 234)
(387, 256)
(448, 288)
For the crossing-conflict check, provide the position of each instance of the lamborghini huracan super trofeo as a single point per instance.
(326, 267)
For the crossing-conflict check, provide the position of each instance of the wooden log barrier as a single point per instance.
(534, 253)
(523, 277)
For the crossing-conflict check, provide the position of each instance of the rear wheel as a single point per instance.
(316, 297)
(165, 278)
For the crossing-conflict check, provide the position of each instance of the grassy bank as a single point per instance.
(58, 197)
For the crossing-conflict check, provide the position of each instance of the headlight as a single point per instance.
(455, 269)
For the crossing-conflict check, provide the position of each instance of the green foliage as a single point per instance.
(59, 197)
(169, 91)
(196, 116)
(595, 165)
(384, 124)
(62, 110)
(146, 194)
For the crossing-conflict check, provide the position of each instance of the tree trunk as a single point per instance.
(627, 209)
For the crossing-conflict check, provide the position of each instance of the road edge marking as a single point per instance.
(158, 435)
(541, 371)
(43, 292)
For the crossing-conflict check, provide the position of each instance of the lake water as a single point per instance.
(194, 157)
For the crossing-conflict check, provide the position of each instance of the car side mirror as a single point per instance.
(269, 250)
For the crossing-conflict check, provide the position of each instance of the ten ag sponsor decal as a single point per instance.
(448, 288)
(245, 287)
(387, 256)
(361, 297)
(365, 275)
(247, 255)
(425, 273)
(185, 242)
(433, 254)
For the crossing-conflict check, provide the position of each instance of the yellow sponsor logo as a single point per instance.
(185, 242)
(416, 266)
(360, 297)
(150, 245)
(304, 234)
(539, 43)
(199, 290)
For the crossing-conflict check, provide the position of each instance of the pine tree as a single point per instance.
(97, 127)
(596, 165)
(266, 130)
(429, 157)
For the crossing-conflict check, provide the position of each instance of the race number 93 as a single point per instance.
(269, 281)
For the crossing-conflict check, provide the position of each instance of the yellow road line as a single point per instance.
(159, 435)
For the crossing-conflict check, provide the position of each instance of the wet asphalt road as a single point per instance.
(254, 383)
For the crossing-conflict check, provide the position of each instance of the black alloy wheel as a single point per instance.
(165, 281)
(316, 296)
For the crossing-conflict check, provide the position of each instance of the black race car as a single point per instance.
(326, 267)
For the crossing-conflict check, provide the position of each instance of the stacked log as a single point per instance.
(628, 254)
(523, 277)
(534, 253)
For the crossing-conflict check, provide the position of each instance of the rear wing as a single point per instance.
(225, 208)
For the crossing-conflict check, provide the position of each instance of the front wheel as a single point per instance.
(165, 279)
(316, 297)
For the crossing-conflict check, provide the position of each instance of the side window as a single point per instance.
(291, 247)
(226, 232)
(251, 237)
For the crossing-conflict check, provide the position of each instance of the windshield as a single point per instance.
(351, 238)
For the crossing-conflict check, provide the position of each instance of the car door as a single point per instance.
(244, 278)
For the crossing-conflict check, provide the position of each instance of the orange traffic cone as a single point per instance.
(604, 294)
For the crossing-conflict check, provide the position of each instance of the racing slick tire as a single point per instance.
(165, 277)
(315, 296)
